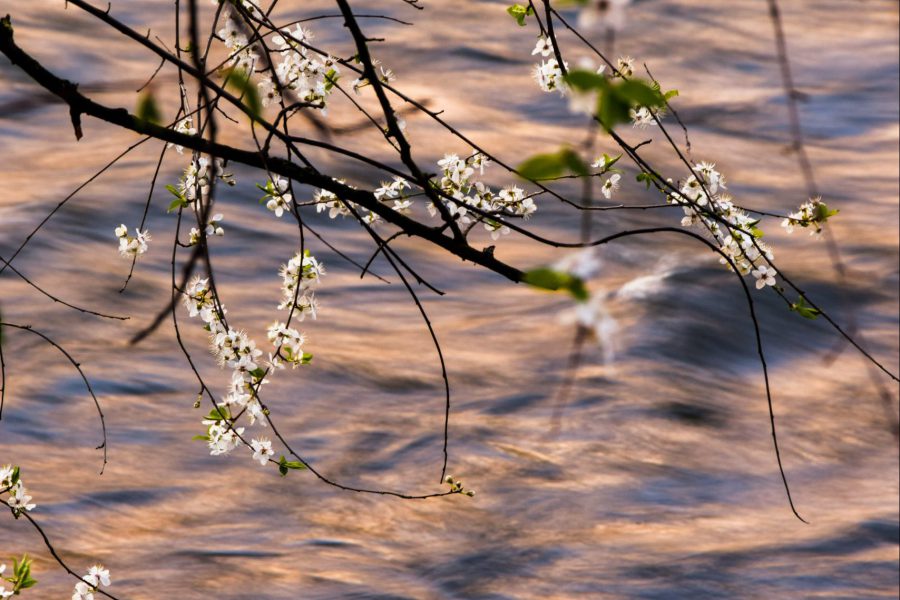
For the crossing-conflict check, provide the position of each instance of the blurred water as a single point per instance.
(661, 480)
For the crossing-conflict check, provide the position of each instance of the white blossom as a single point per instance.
(544, 47)
(132, 246)
(262, 450)
(610, 185)
(97, 576)
(764, 276)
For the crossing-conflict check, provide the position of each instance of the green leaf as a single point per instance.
(608, 162)
(219, 413)
(647, 178)
(549, 166)
(585, 81)
(240, 80)
(331, 78)
(823, 212)
(204, 438)
(670, 94)
(284, 465)
(805, 310)
(21, 574)
(549, 279)
(612, 110)
(147, 110)
(639, 93)
(615, 100)
(519, 12)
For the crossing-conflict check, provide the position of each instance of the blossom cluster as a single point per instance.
(549, 77)
(456, 486)
(278, 199)
(90, 583)
(195, 182)
(237, 351)
(707, 206)
(458, 182)
(185, 126)
(812, 215)
(19, 500)
(132, 245)
(307, 75)
(305, 270)
(242, 54)
(548, 74)
(459, 188)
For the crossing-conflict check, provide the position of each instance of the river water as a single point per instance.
(655, 479)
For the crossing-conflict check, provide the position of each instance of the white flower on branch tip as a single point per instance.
(610, 185)
(549, 76)
(625, 66)
(268, 93)
(278, 199)
(387, 75)
(82, 592)
(262, 450)
(642, 117)
(764, 276)
(6, 474)
(544, 47)
(222, 438)
(97, 576)
(214, 227)
(132, 246)
(235, 349)
(185, 126)
(288, 343)
(809, 215)
(19, 500)
(303, 269)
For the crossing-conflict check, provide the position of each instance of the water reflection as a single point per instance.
(661, 481)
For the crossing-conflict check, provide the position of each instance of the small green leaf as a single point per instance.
(219, 413)
(549, 166)
(805, 310)
(204, 438)
(240, 81)
(585, 81)
(519, 12)
(647, 178)
(670, 94)
(331, 78)
(640, 93)
(284, 465)
(147, 110)
(823, 212)
(608, 162)
(549, 279)
(615, 100)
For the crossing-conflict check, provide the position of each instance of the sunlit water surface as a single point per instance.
(660, 479)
